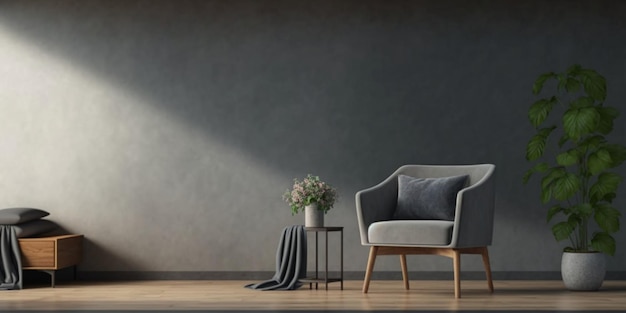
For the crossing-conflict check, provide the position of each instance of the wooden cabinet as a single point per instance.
(50, 254)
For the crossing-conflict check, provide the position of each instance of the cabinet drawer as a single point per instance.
(38, 254)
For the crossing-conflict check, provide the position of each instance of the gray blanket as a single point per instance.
(11, 265)
(290, 261)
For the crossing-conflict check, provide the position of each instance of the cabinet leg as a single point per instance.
(52, 274)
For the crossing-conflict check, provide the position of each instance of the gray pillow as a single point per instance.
(14, 216)
(34, 228)
(428, 198)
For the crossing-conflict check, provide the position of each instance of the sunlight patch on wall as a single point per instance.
(106, 162)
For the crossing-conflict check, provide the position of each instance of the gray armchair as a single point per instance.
(468, 232)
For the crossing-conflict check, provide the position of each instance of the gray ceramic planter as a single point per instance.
(313, 217)
(583, 271)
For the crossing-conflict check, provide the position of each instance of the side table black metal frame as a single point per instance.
(317, 279)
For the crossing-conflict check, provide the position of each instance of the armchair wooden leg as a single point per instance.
(405, 273)
(457, 273)
(485, 255)
(370, 267)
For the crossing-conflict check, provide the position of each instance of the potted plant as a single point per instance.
(312, 196)
(576, 170)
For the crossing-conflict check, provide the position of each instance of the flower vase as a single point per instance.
(312, 216)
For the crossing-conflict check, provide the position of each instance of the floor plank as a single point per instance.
(383, 295)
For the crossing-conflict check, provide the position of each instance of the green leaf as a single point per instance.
(582, 102)
(607, 115)
(540, 110)
(537, 143)
(563, 140)
(527, 175)
(562, 78)
(580, 121)
(574, 220)
(566, 186)
(553, 211)
(574, 69)
(599, 161)
(553, 174)
(572, 85)
(594, 84)
(538, 85)
(535, 147)
(606, 183)
(568, 158)
(549, 182)
(617, 152)
(546, 195)
(603, 242)
(562, 230)
(609, 197)
(592, 142)
(607, 217)
(539, 167)
(583, 210)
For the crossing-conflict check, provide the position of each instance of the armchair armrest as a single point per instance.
(376, 204)
(473, 223)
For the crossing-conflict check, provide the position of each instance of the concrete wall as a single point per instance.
(167, 131)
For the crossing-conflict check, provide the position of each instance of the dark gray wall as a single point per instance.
(167, 131)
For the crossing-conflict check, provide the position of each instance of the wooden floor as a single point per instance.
(383, 295)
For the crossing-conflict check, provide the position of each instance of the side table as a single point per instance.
(317, 279)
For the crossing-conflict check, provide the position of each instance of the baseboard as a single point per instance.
(349, 275)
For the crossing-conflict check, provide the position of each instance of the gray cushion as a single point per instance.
(14, 216)
(411, 232)
(427, 198)
(34, 228)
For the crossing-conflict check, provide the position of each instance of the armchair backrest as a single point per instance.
(476, 172)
